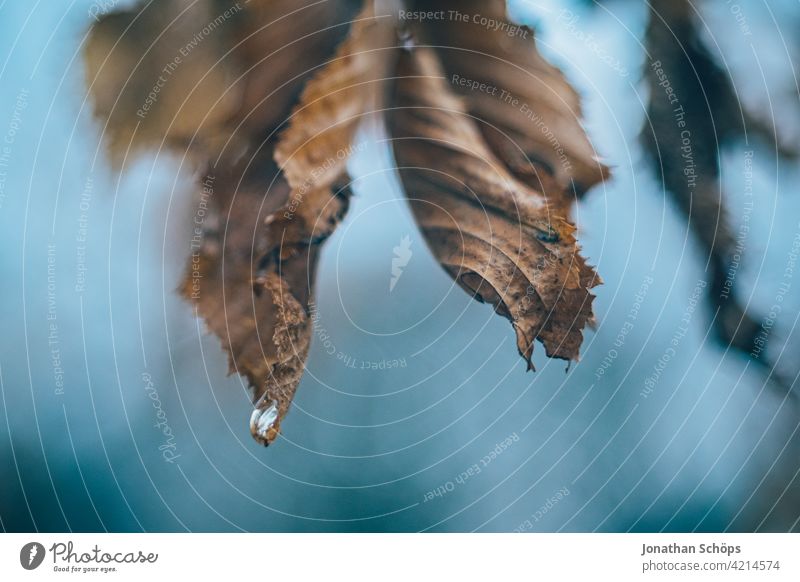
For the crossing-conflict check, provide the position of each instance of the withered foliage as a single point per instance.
(267, 100)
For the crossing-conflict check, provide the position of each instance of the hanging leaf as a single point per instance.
(249, 71)
(693, 113)
(314, 149)
(254, 303)
(526, 110)
(490, 190)
(495, 235)
(212, 74)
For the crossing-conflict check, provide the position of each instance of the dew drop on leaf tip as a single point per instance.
(262, 420)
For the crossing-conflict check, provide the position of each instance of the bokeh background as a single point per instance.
(91, 259)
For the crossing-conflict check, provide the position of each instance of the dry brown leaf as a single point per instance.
(252, 267)
(147, 85)
(250, 281)
(527, 111)
(239, 304)
(694, 112)
(254, 301)
(685, 132)
(313, 151)
(494, 234)
(211, 73)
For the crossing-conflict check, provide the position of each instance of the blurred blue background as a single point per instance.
(91, 260)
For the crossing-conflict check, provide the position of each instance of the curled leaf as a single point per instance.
(489, 195)
(528, 112)
(154, 72)
(254, 312)
(313, 151)
(211, 74)
(234, 70)
(693, 112)
(494, 234)
(254, 300)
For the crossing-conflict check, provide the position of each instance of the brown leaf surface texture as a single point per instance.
(269, 108)
(254, 303)
(244, 65)
(211, 74)
(529, 113)
(494, 234)
(314, 149)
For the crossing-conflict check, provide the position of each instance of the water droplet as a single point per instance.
(262, 420)
(406, 39)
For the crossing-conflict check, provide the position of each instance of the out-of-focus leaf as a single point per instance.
(214, 74)
(693, 112)
(233, 72)
(256, 302)
(314, 149)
